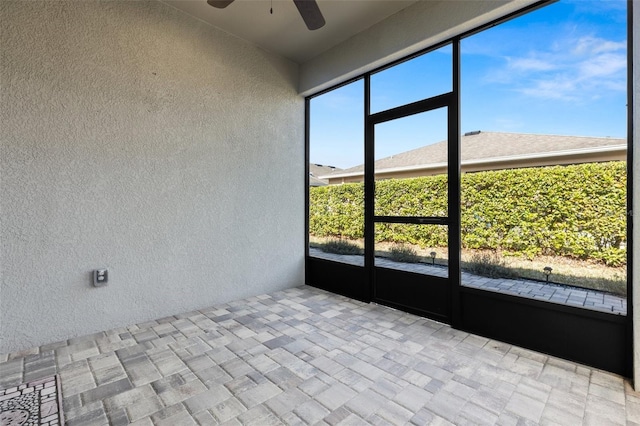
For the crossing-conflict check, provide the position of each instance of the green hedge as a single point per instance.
(576, 211)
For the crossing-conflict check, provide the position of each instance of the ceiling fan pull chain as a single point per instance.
(271, 10)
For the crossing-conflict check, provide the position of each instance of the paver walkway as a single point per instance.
(305, 356)
(566, 295)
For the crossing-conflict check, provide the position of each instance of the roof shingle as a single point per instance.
(489, 145)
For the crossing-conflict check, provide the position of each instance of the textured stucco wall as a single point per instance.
(417, 27)
(139, 139)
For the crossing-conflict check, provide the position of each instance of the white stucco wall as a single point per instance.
(417, 27)
(139, 139)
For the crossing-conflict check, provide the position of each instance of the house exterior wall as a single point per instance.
(139, 139)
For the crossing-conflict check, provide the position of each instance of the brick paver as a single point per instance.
(555, 293)
(305, 356)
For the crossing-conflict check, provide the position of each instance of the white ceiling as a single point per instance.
(284, 31)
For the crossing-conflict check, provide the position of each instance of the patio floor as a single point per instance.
(554, 293)
(305, 356)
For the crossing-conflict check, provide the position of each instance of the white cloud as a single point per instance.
(558, 88)
(594, 45)
(571, 69)
(530, 64)
(604, 65)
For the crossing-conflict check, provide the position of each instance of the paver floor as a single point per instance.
(305, 356)
(554, 293)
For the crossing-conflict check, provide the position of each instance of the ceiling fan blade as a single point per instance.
(310, 13)
(220, 4)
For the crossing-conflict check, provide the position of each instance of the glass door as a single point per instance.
(410, 227)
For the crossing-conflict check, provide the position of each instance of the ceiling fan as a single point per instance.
(308, 9)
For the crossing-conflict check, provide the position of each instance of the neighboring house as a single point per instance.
(491, 151)
(316, 170)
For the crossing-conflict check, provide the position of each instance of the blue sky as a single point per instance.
(558, 70)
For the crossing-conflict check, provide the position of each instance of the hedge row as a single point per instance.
(576, 211)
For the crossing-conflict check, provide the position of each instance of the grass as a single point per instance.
(566, 271)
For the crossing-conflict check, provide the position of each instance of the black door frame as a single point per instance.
(424, 295)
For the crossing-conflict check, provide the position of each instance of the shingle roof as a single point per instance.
(316, 170)
(489, 145)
